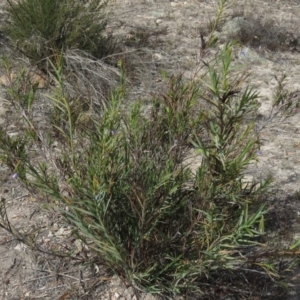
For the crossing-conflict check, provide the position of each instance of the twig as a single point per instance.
(51, 275)
(49, 289)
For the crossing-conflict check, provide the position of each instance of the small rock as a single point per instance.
(157, 56)
(249, 54)
(78, 245)
(116, 296)
(8, 79)
(63, 232)
(233, 27)
(129, 293)
(20, 247)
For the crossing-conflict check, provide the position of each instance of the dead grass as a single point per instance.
(258, 28)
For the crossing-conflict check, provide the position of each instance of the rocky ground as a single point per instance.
(163, 35)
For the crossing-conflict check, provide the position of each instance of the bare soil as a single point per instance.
(161, 35)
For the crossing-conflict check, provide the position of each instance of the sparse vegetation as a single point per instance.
(121, 177)
(129, 191)
(264, 33)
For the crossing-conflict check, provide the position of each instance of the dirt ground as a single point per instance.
(167, 34)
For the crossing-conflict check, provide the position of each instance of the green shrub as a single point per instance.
(43, 28)
(131, 194)
(124, 183)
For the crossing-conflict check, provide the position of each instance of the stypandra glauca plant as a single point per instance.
(125, 187)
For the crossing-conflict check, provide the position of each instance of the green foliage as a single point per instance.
(43, 28)
(232, 144)
(215, 23)
(123, 180)
(131, 194)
